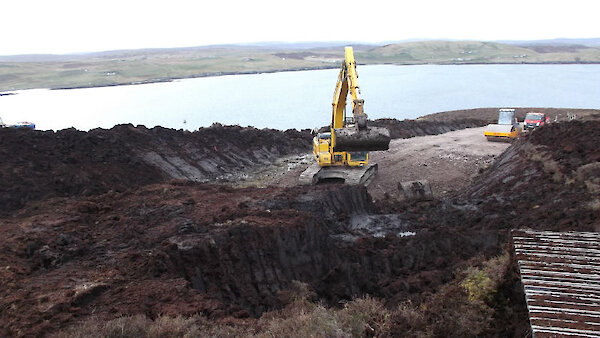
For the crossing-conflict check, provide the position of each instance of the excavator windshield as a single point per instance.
(358, 155)
(533, 117)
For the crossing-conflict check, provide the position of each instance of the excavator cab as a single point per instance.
(321, 145)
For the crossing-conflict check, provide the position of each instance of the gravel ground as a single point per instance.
(448, 161)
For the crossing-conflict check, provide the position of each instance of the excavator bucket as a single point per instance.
(370, 139)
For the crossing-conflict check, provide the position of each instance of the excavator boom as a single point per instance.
(355, 136)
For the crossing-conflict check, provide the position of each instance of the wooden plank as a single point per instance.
(560, 272)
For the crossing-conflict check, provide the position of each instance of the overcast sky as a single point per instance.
(66, 26)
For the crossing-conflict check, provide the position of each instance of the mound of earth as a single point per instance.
(548, 180)
(412, 128)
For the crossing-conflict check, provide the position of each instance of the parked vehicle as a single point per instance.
(534, 120)
(507, 128)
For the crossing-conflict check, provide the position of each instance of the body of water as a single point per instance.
(303, 99)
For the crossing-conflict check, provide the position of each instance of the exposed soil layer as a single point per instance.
(394, 162)
(182, 248)
(490, 115)
(412, 128)
(143, 244)
(41, 164)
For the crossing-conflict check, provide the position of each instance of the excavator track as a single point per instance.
(349, 175)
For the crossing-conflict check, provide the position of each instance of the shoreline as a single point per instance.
(175, 78)
(473, 117)
(252, 72)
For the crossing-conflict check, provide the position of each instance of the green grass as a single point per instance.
(164, 64)
(469, 52)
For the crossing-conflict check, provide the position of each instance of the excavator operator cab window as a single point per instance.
(358, 156)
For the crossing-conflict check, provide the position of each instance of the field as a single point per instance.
(155, 65)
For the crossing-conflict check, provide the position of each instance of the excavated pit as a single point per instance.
(248, 262)
(37, 165)
(180, 247)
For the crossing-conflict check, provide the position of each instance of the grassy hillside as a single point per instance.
(468, 52)
(140, 66)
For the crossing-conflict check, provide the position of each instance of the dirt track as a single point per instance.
(448, 161)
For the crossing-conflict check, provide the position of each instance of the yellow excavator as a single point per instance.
(342, 154)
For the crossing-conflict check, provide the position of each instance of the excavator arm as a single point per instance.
(339, 104)
(355, 136)
(348, 82)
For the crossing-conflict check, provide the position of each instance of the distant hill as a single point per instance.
(592, 42)
(122, 67)
(469, 52)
